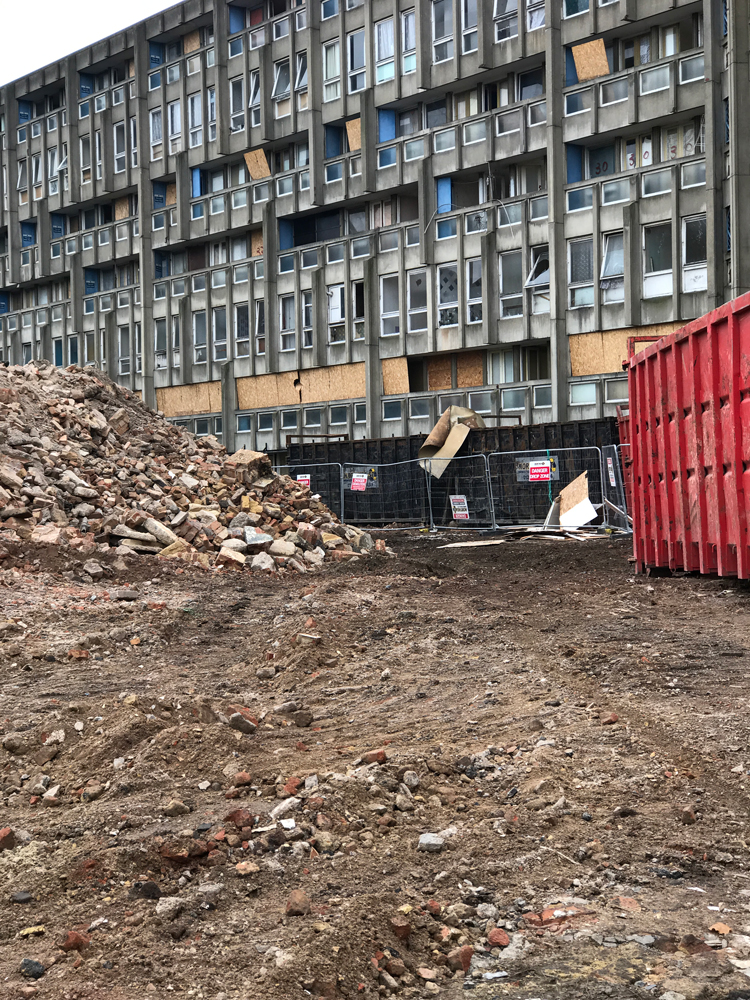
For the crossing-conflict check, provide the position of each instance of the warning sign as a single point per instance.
(460, 508)
(611, 470)
(523, 469)
(359, 482)
(304, 481)
(540, 471)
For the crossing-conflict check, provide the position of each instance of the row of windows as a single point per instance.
(650, 81)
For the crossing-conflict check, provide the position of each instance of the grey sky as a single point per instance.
(36, 32)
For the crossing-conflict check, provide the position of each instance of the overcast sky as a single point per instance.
(36, 32)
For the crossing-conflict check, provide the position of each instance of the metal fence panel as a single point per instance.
(461, 496)
(520, 500)
(384, 494)
(614, 487)
(325, 479)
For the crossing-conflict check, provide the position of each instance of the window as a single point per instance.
(469, 25)
(307, 319)
(265, 421)
(160, 343)
(339, 415)
(582, 393)
(119, 144)
(694, 174)
(446, 228)
(98, 152)
(300, 81)
(356, 50)
(389, 306)
(236, 105)
(573, 7)
(537, 113)
(133, 142)
(22, 171)
(173, 73)
(694, 256)
(387, 157)
(474, 290)
(542, 396)
(211, 112)
(384, 51)
(328, 8)
(154, 81)
(408, 42)
(289, 420)
(260, 327)
(195, 119)
(612, 280)
(358, 310)
(123, 344)
(538, 279)
(156, 134)
(656, 182)
(580, 273)
(200, 351)
(616, 390)
(657, 260)
(52, 169)
(580, 199)
(691, 69)
(287, 322)
(416, 301)
(392, 409)
(419, 408)
(513, 399)
(475, 132)
(220, 333)
(244, 422)
(615, 191)
(335, 171)
(448, 295)
(336, 313)
(442, 30)
(331, 71)
(578, 102)
(534, 15)
(511, 284)
(282, 89)
(614, 91)
(653, 80)
(360, 413)
(506, 19)
(313, 418)
(539, 207)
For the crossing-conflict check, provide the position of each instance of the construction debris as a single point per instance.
(446, 437)
(84, 464)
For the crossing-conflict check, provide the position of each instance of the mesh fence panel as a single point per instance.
(384, 494)
(325, 479)
(614, 487)
(460, 497)
(520, 500)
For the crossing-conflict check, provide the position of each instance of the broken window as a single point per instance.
(581, 273)
(336, 314)
(538, 279)
(474, 290)
(612, 280)
(694, 255)
(417, 301)
(448, 295)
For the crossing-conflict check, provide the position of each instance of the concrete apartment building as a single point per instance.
(279, 217)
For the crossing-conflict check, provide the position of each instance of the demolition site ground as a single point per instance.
(218, 784)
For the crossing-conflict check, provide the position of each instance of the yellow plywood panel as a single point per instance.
(395, 376)
(470, 369)
(191, 42)
(185, 400)
(604, 352)
(591, 60)
(313, 385)
(131, 69)
(257, 164)
(171, 194)
(440, 372)
(122, 209)
(256, 243)
(354, 133)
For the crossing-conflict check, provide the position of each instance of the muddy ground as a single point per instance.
(579, 738)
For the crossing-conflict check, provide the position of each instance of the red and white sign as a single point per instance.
(460, 508)
(359, 482)
(611, 468)
(540, 471)
(304, 481)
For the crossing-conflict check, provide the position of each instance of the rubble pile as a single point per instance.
(85, 464)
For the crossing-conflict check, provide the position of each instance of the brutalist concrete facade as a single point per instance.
(275, 217)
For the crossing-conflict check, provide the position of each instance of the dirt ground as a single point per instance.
(576, 735)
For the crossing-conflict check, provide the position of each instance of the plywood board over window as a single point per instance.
(171, 198)
(313, 385)
(185, 400)
(591, 60)
(603, 353)
(354, 133)
(470, 369)
(257, 164)
(256, 243)
(395, 376)
(122, 209)
(191, 42)
(440, 372)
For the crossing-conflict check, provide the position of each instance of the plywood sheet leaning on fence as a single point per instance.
(575, 507)
(446, 437)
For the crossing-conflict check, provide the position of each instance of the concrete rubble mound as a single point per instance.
(84, 464)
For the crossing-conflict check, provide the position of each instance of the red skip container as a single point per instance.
(689, 445)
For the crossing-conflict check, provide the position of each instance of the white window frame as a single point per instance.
(408, 53)
(336, 295)
(119, 143)
(474, 312)
(695, 275)
(156, 133)
(447, 308)
(287, 334)
(356, 79)
(331, 84)
(469, 32)
(612, 283)
(385, 60)
(584, 286)
(442, 42)
(511, 302)
(657, 284)
(195, 119)
(389, 328)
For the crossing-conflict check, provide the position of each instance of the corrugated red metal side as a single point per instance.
(690, 445)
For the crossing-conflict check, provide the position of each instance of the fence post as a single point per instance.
(490, 495)
(341, 489)
(427, 468)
